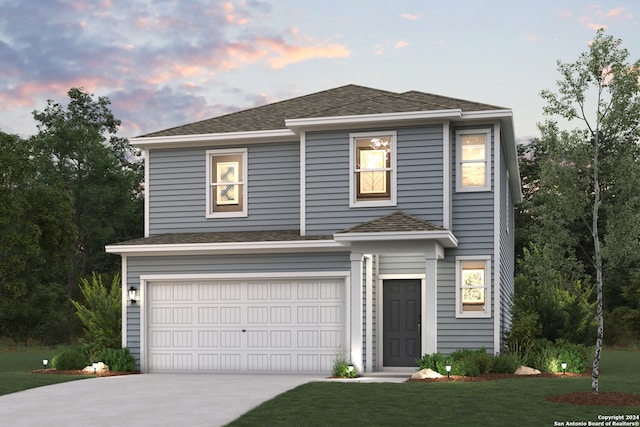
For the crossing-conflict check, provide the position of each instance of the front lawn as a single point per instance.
(489, 403)
(16, 367)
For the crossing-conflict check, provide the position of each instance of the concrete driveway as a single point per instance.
(144, 400)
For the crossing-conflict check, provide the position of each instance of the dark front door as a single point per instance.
(401, 322)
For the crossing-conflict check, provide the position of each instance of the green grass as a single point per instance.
(16, 367)
(490, 403)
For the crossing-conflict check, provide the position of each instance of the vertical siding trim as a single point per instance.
(355, 319)
(430, 307)
(368, 259)
(124, 291)
(446, 176)
(147, 184)
(303, 184)
(497, 264)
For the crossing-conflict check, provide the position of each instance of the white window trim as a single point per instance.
(353, 196)
(487, 159)
(488, 283)
(245, 192)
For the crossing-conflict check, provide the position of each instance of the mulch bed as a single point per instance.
(586, 398)
(79, 372)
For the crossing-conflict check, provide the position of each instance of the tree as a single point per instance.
(101, 314)
(36, 240)
(77, 149)
(591, 168)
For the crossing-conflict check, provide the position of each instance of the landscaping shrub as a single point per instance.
(473, 362)
(430, 361)
(506, 363)
(118, 359)
(548, 357)
(341, 368)
(72, 358)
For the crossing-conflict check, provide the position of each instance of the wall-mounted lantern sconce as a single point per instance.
(133, 295)
(448, 368)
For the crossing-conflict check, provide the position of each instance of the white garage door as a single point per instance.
(235, 326)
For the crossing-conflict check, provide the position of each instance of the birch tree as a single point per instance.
(591, 168)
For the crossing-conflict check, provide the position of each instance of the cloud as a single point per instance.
(531, 37)
(410, 16)
(400, 44)
(287, 53)
(615, 12)
(158, 56)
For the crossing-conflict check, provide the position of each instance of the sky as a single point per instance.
(164, 63)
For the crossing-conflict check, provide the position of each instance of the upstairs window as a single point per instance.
(473, 167)
(473, 287)
(227, 182)
(373, 162)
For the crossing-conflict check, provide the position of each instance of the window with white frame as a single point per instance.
(473, 160)
(473, 286)
(373, 169)
(226, 183)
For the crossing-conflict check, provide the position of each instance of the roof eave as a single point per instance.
(444, 237)
(208, 139)
(227, 247)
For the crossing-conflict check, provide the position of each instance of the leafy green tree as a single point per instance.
(77, 149)
(100, 312)
(593, 213)
(36, 240)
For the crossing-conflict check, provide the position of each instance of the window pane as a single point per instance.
(226, 183)
(473, 286)
(474, 174)
(227, 194)
(473, 147)
(372, 168)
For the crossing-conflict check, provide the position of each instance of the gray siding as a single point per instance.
(507, 255)
(178, 185)
(419, 179)
(455, 334)
(472, 222)
(402, 264)
(220, 264)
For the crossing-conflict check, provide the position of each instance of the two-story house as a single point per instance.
(352, 222)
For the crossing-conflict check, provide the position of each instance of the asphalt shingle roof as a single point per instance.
(349, 100)
(395, 222)
(222, 237)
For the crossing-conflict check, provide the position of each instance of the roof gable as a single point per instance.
(349, 100)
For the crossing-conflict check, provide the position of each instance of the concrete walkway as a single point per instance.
(144, 400)
(183, 400)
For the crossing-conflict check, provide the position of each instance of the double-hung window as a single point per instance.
(473, 160)
(473, 286)
(373, 169)
(226, 183)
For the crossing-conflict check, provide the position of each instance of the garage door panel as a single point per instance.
(257, 326)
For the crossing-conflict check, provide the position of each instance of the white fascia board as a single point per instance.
(208, 139)
(382, 119)
(444, 237)
(214, 248)
(487, 114)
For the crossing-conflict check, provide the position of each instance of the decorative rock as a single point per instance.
(525, 370)
(100, 368)
(424, 374)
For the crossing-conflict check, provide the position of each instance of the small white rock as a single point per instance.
(424, 374)
(525, 370)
